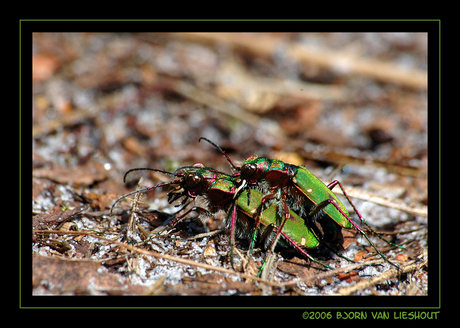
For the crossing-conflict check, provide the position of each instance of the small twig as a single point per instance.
(243, 259)
(267, 272)
(416, 264)
(205, 234)
(159, 255)
(157, 288)
(132, 223)
(204, 97)
(331, 272)
(398, 204)
(96, 214)
(333, 155)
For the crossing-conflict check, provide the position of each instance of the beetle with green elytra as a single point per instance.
(275, 221)
(226, 192)
(303, 192)
(188, 183)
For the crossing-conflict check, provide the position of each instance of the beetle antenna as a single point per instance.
(222, 152)
(175, 173)
(146, 169)
(141, 190)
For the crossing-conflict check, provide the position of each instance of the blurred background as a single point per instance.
(104, 103)
(349, 106)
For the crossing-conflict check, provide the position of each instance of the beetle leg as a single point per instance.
(171, 224)
(336, 182)
(300, 249)
(232, 234)
(257, 221)
(325, 203)
(286, 217)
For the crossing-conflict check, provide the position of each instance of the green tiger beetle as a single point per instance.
(223, 191)
(188, 183)
(303, 192)
(219, 189)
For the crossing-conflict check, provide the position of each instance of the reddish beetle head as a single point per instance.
(253, 169)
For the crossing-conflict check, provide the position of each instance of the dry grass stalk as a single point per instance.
(416, 264)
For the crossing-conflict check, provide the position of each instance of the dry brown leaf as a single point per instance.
(84, 175)
(360, 255)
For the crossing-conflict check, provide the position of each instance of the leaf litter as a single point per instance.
(92, 123)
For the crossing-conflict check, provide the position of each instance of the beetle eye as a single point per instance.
(193, 179)
(248, 170)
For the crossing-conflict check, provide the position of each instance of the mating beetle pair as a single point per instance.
(267, 199)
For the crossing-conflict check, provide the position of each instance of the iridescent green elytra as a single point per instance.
(304, 190)
(305, 194)
(249, 202)
(294, 230)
